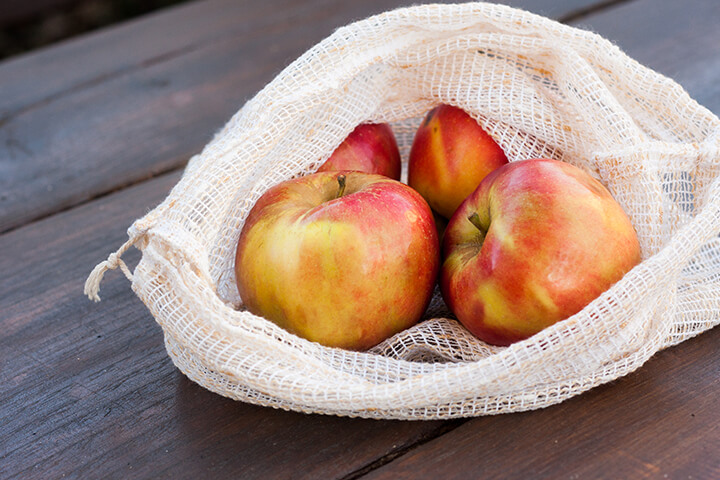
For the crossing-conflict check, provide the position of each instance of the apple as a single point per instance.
(535, 243)
(449, 157)
(345, 259)
(370, 148)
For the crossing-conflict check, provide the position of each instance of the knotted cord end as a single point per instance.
(92, 284)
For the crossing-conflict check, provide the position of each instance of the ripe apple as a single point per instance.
(533, 244)
(344, 259)
(449, 157)
(370, 148)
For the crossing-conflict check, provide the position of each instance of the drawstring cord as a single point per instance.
(92, 284)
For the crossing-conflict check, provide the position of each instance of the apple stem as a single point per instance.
(475, 220)
(341, 185)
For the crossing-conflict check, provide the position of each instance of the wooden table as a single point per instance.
(96, 130)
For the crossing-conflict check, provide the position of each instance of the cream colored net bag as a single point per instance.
(541, 89)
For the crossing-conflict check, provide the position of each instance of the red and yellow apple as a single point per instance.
(345, 259)
(535, 243)
(449, 157)
(370, 148)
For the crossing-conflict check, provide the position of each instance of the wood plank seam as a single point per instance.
(121, 186)
(596, 8)
(445, 427)
(100, 79)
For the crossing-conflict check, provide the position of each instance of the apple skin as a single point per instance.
(345, 272)
(370, 148)
(449, 157)
(550, 240)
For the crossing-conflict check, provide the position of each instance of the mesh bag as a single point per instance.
(541, 89)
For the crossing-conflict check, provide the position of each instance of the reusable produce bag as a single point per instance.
(541, 89)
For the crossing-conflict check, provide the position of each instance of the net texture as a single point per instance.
(541, 89)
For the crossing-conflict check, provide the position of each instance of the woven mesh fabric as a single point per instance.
(541, 89)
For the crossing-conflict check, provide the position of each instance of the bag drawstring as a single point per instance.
(92, 284)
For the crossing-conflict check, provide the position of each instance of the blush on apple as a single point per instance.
(535, 243)
(344, 259)
(370, 148)
(449, 157)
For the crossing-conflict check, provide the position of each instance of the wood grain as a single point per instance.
(118, 50)
(117, 107)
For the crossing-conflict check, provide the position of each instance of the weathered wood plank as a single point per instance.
(38, 77)
(113, 108)
(89, 388)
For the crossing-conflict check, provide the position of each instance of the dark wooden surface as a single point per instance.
(92, 135)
